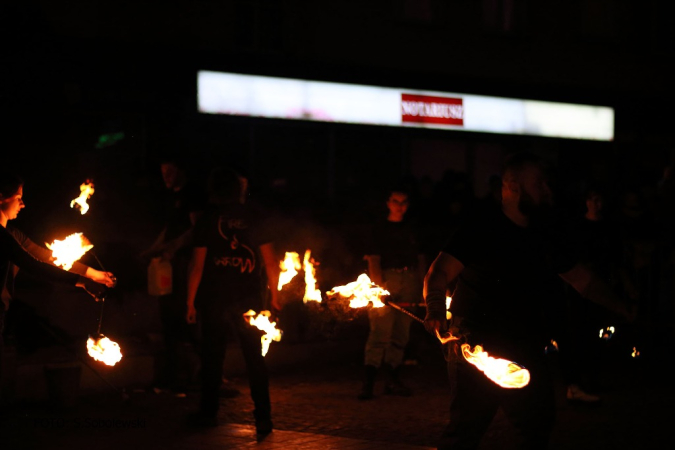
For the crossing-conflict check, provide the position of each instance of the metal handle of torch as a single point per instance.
(100, 317)
(404, 311)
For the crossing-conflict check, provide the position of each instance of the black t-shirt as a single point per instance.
(509, 281)
(599, 244)
(177, 208)
(396, 243)
(232, 235)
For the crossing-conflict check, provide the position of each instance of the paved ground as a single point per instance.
(315, 407)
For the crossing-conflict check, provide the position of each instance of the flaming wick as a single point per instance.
(69, 250)
(86, 189)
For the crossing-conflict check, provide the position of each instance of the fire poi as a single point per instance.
(69, 250)
(104, 350)
(262, 322)
(86, 190)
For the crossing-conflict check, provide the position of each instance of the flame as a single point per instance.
(606, 333)
(69, 250)
(635, 353)
(86, 189)
(262, 322)
(361, 292)
(104, 350)
(448, 314)
(311, 292)
(505, 373)
(289, 268)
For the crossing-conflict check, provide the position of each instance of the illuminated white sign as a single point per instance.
(284, 98)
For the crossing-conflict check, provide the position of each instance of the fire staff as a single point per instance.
(18, 251)
(507, 266)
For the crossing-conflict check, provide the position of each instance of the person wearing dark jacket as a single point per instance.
(17, 251)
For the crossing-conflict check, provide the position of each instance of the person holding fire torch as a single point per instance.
(507, 266)
(18, 251)
(225, 280)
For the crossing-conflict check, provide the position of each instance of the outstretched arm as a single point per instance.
(590, 286)
(21, 258)
(45, 255)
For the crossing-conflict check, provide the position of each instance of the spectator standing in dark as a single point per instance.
(17, 251)
(507, 270)
(396, 263)
(233, 264)
(598, 243)
(183, 202)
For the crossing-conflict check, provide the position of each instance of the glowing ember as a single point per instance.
(311, 292)
(104, 350)
(289, 268)
(505, 373)
(262, 322)
(69, 250)
(448, 314)
(86, 189)
(635, 353)
(360, 292)
(607, 333)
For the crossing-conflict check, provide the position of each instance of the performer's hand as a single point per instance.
(191, 316)
(106, 278)
(436, 326)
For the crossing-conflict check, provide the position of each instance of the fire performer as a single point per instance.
(395, 263)
(507, 266)
(18, 251)
(226, 280)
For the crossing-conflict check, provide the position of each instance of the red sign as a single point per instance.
(428, 109)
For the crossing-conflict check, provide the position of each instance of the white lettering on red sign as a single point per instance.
(428, 109)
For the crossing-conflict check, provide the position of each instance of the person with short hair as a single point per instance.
(507, 267)
(183, 201)
(233, 264)
(397, 264)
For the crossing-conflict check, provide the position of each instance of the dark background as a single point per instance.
(100, 89)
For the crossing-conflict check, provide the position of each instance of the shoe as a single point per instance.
(397, 388)
(202, 419)
(263, 426)
(576, 394)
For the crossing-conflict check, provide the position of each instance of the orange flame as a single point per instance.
(262, 322)
(69, 250)
(635, 353)
(311, 292)
(86, 189)
(360, 292)
(505, 373)
(607, 333)
(104, 350)
(448, 301)
(289, 268)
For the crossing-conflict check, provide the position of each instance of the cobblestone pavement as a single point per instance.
(315, 407)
